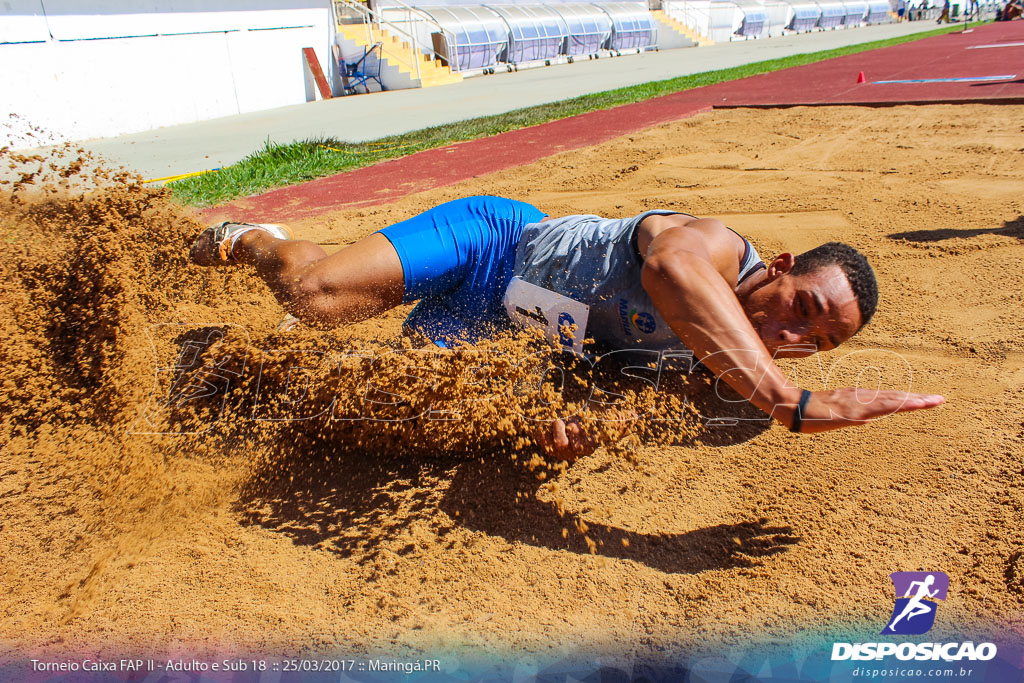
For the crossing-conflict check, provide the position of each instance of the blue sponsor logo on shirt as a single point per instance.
(634, 319)
(624, 315)
(643, 322)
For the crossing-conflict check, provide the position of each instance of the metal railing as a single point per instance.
(370, 19)
(425, 18)
(694, 15)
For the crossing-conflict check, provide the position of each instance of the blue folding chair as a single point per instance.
(362, 71)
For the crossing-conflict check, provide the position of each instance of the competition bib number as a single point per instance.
(559, 316)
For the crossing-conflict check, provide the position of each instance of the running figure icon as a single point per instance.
(916, 607)
(917, 596)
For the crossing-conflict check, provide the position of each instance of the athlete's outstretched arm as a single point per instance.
(682, 274)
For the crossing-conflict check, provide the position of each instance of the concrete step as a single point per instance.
(399, 55)
(681, 28)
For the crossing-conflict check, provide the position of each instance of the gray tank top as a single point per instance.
(595, 261)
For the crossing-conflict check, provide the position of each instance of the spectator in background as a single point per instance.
(901, 10)
(944, 17)
(1011, 10)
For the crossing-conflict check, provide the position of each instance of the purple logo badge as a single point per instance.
(916, 596)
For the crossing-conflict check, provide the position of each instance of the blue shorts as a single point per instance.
(457, 259)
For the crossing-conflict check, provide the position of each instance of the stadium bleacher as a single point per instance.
(832, 13)
(589, 28)
(806, 16)
(878, 12)
(722, 20)
(633, 26)
(855, 12)
(472, 37)
(535, 32)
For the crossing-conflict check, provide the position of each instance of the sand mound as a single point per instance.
(91, 259)
(98, 286)
(160, 494)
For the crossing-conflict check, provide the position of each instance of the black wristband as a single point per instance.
(798, 416)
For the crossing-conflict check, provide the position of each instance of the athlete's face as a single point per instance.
(816, 309)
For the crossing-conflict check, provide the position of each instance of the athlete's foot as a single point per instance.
(289, 323)
(213, 246)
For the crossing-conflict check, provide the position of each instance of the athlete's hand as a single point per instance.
(826, 410)
(566, 439)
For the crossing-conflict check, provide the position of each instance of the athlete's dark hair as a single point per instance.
(858, 272)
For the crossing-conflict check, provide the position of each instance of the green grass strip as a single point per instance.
(277, 165)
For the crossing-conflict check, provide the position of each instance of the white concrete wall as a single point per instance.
(81, 69)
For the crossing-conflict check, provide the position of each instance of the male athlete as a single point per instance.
(681, 280)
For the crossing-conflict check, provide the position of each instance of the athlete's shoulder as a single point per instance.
(706, 238)
(680, 230)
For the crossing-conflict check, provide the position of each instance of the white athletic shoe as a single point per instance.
(213, 246)
(289, 323)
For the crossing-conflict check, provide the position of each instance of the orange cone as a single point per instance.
(860, 77)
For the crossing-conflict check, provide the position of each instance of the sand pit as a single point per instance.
(277, 540)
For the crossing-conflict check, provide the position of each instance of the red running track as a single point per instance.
(970, 55)
(985, 51)
(390, 180)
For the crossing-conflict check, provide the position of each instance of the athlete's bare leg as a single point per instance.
(353, 284)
